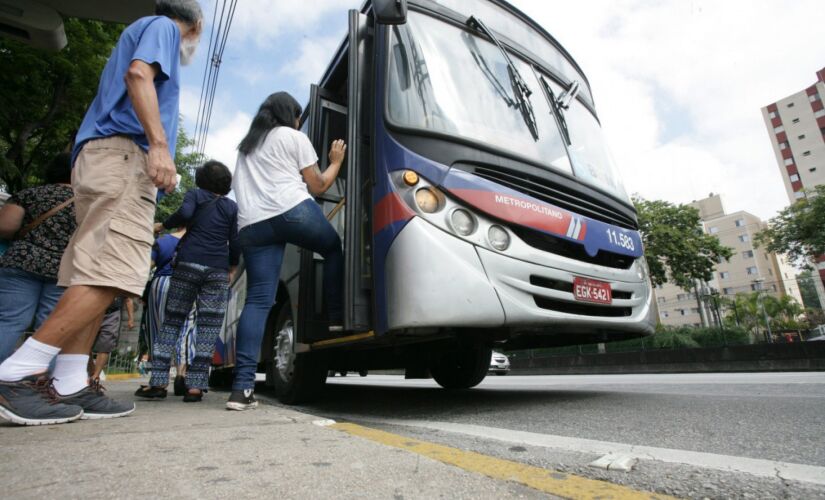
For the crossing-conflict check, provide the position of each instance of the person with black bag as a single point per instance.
(204, 263)
(39, 222)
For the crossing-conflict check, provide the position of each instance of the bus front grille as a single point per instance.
(550, 192)
(549, 243)
(581, 308)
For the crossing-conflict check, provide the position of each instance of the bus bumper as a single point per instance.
(437, 280)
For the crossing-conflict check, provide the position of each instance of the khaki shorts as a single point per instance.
(115, 207)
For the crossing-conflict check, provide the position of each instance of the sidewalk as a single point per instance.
(168, 449)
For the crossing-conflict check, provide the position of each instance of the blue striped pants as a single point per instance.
(155, 310)
(209, 289)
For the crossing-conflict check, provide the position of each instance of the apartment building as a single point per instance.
(748, 270)
(796, 126)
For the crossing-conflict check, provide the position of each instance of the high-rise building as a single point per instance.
(796, 126)
(749, 269)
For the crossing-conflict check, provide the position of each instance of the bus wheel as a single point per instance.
(462, 369)
(297, 377)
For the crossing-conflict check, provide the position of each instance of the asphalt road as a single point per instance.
(694, 428)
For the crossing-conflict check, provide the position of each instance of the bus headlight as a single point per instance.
(499, 238)
(426, 200)
(641, 269)
(463, 222)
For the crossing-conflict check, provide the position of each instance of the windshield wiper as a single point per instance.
(560, 104)
(521, 92)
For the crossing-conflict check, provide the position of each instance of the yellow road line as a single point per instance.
(341, 340)
(548, 481)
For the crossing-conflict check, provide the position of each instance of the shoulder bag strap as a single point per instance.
(42, 218)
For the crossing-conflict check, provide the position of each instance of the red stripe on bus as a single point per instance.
(521, 211)
(389, 210)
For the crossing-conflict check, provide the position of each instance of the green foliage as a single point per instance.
(45, 96)
(748, 310)
(676, 247)
(186, 163)
(798, 230)
(807, 288)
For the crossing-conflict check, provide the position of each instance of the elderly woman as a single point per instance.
(204, 262)
(275, 179)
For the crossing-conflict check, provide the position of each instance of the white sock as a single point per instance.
(31, 358)
(70, 373)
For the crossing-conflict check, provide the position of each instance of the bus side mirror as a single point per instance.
(390, 11)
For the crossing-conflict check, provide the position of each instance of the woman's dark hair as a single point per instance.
(59, 171)
(213, 176)
(278, 110)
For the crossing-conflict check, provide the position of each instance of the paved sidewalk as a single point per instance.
(168, 449)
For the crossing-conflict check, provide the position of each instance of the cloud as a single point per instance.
(313, 57)
(269, 21)
(679, 86)
(225, 136)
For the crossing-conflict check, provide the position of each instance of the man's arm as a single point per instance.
(11, 220)
(130, 313)
(140, 83)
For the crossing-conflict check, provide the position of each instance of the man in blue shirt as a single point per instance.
(122, 156)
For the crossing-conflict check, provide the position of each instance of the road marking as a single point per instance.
(757, 467)
(547, 481)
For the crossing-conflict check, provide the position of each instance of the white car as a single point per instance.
(499, 363)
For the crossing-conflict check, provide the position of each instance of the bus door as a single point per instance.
(327, 121)
(347, 201)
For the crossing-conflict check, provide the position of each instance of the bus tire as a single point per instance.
(461, 369)
(297, 377)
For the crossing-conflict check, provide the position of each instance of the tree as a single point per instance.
(186, 163)
(676, 247)
(748, 310)
(45, 95)
(807, 288)
(798, 230)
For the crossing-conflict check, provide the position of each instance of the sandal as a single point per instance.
(150, 392)
(193, 397)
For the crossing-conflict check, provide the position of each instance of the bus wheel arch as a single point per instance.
(296, 377)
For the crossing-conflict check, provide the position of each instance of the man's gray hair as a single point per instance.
(187, 11)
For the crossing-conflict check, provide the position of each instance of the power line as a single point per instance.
(218, 37)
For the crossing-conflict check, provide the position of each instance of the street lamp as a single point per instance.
(761, 303)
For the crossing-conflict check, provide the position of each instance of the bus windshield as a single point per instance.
(449, 80)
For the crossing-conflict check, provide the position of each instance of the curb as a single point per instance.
(123, 376)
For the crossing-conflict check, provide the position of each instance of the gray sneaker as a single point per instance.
(31, 401)
(97, 405)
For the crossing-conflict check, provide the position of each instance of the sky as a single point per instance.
(678, 84)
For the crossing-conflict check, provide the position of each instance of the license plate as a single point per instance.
(587, 290)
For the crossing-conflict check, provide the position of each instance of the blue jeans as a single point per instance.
(263, 246)
(24, 297)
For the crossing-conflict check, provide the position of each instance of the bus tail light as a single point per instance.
(499, 238)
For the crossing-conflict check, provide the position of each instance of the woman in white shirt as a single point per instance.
(275, 179)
